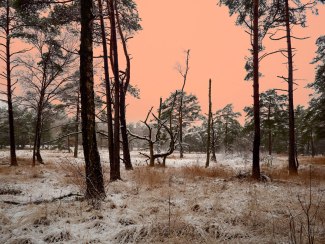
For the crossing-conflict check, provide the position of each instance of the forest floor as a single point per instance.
(184, 202)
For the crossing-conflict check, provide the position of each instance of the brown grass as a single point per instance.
(213, 172)
(155, 177)
(74, 174)
(311, 160)
(315, 173)
(150, 177)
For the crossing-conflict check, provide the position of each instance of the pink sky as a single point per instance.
(218, 50)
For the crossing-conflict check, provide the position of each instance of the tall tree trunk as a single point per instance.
(94, 176)
(213, 143)
(123, 92)
(269, 130)
(115, 171)
(76, 137)
(293, 166)
(159, 124)
(226, 138)
(180, 120)
(181, 152)
(257, 130)
(151, 153)
(68, 144)
(107, 88)
(124, 133)
(37, 139)
(209, 128)
(313, 153)
(38, 143)
(13, 158)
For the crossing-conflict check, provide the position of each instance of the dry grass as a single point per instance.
(311, 160)
(74, 174)
(150, 177)
(315, 173)
(156, 177)
(196, 171)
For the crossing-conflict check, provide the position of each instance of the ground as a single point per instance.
(181, 203)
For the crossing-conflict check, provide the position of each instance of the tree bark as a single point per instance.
(293, 166)
(209, 128)
(313, 153)
(181, 154)
(76, 137)
(37, 139)
(13, 158)
(269, 130)
(94, 176)
(123, 92)
(115, 170)
(257, 130)
(107, 88)
(213, 143)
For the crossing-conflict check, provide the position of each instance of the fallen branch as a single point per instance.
(37, 202)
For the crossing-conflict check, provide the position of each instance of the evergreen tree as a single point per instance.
(229, 125)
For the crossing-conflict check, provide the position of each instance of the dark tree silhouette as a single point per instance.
(94, 176)
(209, 128)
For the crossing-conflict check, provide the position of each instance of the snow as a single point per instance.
(138, 209)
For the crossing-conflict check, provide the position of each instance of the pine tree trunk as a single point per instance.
(181, 153)
(13, 158)
(124, 133)
(213, 143)
(123, 92)
(115, 171)
(209, 128)
(257, 131)
(94, 176)
(293, 167)
(37, 139)
(151, 153)
(313, 153)
(270, 130)
(76, 137)
(226, 138)
(107, 87)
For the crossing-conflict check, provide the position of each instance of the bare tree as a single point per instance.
(44, 80)
(154, 138)
(209, 128)
(184, 74)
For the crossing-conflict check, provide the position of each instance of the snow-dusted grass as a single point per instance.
(181, 203)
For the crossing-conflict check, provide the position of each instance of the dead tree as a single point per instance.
(155, 139)
(213, 141)
(209, 128)
(180, 111)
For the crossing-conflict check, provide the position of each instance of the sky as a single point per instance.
(218, 49)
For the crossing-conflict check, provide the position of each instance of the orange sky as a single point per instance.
(218, 50)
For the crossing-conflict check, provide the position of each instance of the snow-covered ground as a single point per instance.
(181, 203)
